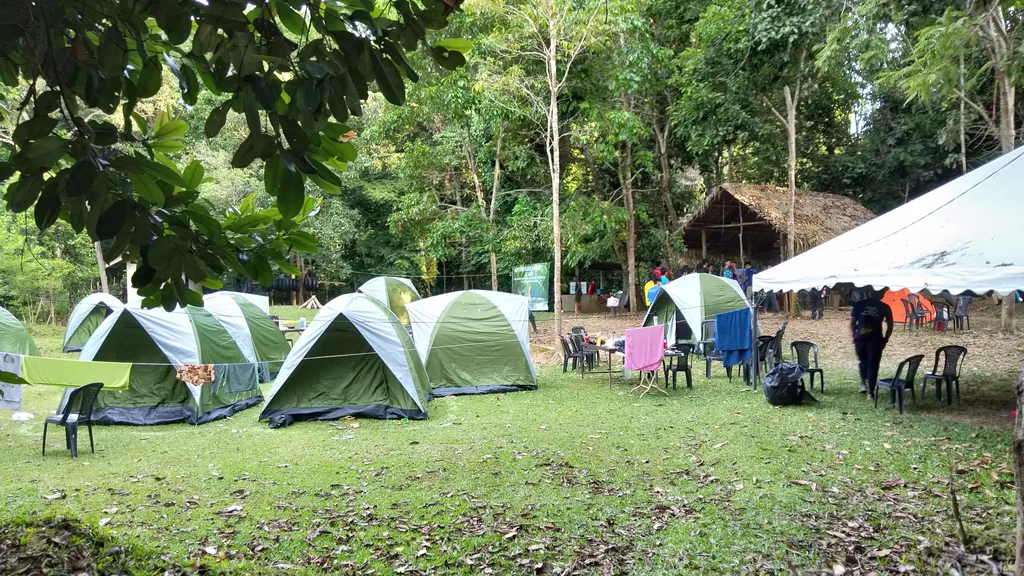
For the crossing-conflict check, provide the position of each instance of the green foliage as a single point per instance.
(82, 153)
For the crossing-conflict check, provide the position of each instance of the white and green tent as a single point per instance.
(474, 342)
(250, 326)
(157, 342)
(395, 293)
(354, 359)
(684, 303)
(14, 339)
(87, 317)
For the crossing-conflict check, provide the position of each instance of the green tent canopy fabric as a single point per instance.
(395, 293)
(157, 343)
(14, 338)
(87, 317)
(252, 327)
(474, 342)
(686, 302)
(354, 359)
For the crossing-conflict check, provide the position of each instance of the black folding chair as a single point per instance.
(897, 385)
(679, 361)
(586, 355)
(801, 351)
(942, 317)
(953, 362)
(569, 354)
(924, 313)
(83, 397)
(962, 313)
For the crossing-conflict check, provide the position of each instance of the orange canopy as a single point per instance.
(899, 314)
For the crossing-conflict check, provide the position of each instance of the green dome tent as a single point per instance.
(158, 342)
(474, 342)
(14, 339)
(354, 359)
(393, 292)
(249, 324)
(87, 317)
(684, 303)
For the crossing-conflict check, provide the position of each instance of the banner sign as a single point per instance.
(532, 281)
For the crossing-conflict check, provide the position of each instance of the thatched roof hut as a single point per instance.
(748, 221)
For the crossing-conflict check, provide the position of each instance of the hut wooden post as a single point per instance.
(703, 244)
(741, 237)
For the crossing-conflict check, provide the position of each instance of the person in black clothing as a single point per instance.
(866, 319)
(533, 322)
(817, 304)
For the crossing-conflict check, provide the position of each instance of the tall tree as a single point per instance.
(552, 34)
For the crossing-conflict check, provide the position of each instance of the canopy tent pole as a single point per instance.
(703, 244)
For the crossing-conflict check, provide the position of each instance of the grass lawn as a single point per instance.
(572, 478)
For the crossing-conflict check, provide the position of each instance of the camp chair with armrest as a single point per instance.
(953, 362)
(680, 362)
(707, 349)
(83, 398)
(578, 330)
(801, 351)
(587, 355)
(962, 313)
(765, 360)
(774, 353)
(568, 354)
(942, 316)
(909, 316)
(897, 385)
(925, 313)
(707, 337)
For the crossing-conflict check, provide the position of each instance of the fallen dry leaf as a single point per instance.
(838, 569)
(109, 510)
(104, 521)
(55, 496)
(812, 485)
(793, 438)
(354, 425)
(880, 553)
(886, 445)
(233, 511)
(719, 445)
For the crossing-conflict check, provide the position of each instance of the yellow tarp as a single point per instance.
(74, 373)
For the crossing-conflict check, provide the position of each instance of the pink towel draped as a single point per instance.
(645, 348)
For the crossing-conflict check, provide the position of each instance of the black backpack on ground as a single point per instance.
(783, 385)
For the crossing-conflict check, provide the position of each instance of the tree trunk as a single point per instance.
(664, 185)
(301, 262)
(626, 180)
(103, 269)
(494, 201)
(791, 169)
(1018, 474)
(554, 161)
(1007, 139)
(963, 120)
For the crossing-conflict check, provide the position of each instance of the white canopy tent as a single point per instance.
(962, 236)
